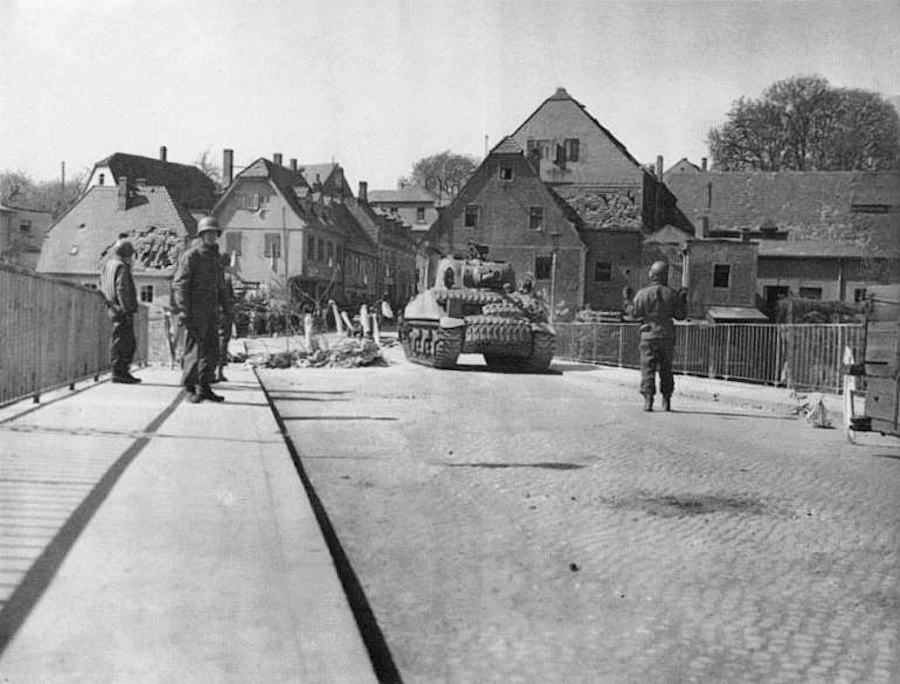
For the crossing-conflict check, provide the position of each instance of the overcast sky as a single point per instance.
(378, 84)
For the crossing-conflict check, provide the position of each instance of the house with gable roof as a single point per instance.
(187, 185)
(279, 232)
(507, 213)
(619, 201)
(414, 205)
(158, 226)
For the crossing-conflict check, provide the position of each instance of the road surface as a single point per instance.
(542, 528)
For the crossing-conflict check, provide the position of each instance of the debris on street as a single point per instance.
(337, 352)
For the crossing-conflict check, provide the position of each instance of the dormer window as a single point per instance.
(506, 172)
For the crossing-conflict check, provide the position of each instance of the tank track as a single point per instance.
(494, 333)
(430, 345)
(536, 361)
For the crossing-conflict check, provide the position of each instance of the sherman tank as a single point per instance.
(475, 308)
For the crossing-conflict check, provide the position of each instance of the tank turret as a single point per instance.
(475, 308)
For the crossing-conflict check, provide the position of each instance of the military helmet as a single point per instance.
(208, 223)
(659, 271)
(123, 248)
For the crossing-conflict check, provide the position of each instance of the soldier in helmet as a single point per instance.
(198, 288)
(117, 286)
(656, 306)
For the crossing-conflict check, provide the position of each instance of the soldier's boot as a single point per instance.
(648, 402)
(667, 403)
(206, 394)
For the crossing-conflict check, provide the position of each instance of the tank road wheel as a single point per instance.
(433, 346)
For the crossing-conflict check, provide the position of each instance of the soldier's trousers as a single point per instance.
(122, 344)
(201, 353)
(656, 357)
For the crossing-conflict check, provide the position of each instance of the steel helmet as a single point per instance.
(123, 248)
(659, 272)
(208, 223)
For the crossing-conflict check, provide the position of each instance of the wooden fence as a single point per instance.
(53, 334)
(807, 357)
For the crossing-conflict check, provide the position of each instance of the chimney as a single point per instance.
(294, 165)
(276, 158)
(162, 153)
(363, 196)
(123, 193)
(659, 168)
(703, 164)
(227, 167)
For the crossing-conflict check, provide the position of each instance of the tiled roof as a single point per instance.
(507, 146)
(188, 185)
(411, 194)
(76, 243)
(745, 200)
(808, 205)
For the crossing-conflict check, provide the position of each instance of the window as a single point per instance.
(338, 255)
(91, 286)
(102, 179)
(542, 148)
(811, 292)
(233, 242)
(146, 293)
(536, 218)
(393, 210)
(320, 250)
(471, 216)
(722, 275)
(273, 245)
(311, 248)
(330, 247)
(506, 172)
(543, 267)
(859, 294)
(25, 227)
(572, 149)
(420, 214)
(602, 272)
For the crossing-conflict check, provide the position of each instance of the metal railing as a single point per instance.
(53, 333)
(807, 357)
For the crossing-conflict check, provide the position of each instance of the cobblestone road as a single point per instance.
(541, 528)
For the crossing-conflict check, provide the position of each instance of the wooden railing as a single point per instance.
(53, 333)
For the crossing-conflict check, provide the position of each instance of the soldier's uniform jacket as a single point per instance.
(656, 305)
(117, 286)
(198, 286)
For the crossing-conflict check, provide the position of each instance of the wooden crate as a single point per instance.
(882, 404)
(882, 349)
(885, 302)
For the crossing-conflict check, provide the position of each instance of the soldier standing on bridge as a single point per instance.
(656, 306)
(117, 286)
(198, 288)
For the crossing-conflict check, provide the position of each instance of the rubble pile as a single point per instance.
(343, 353)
